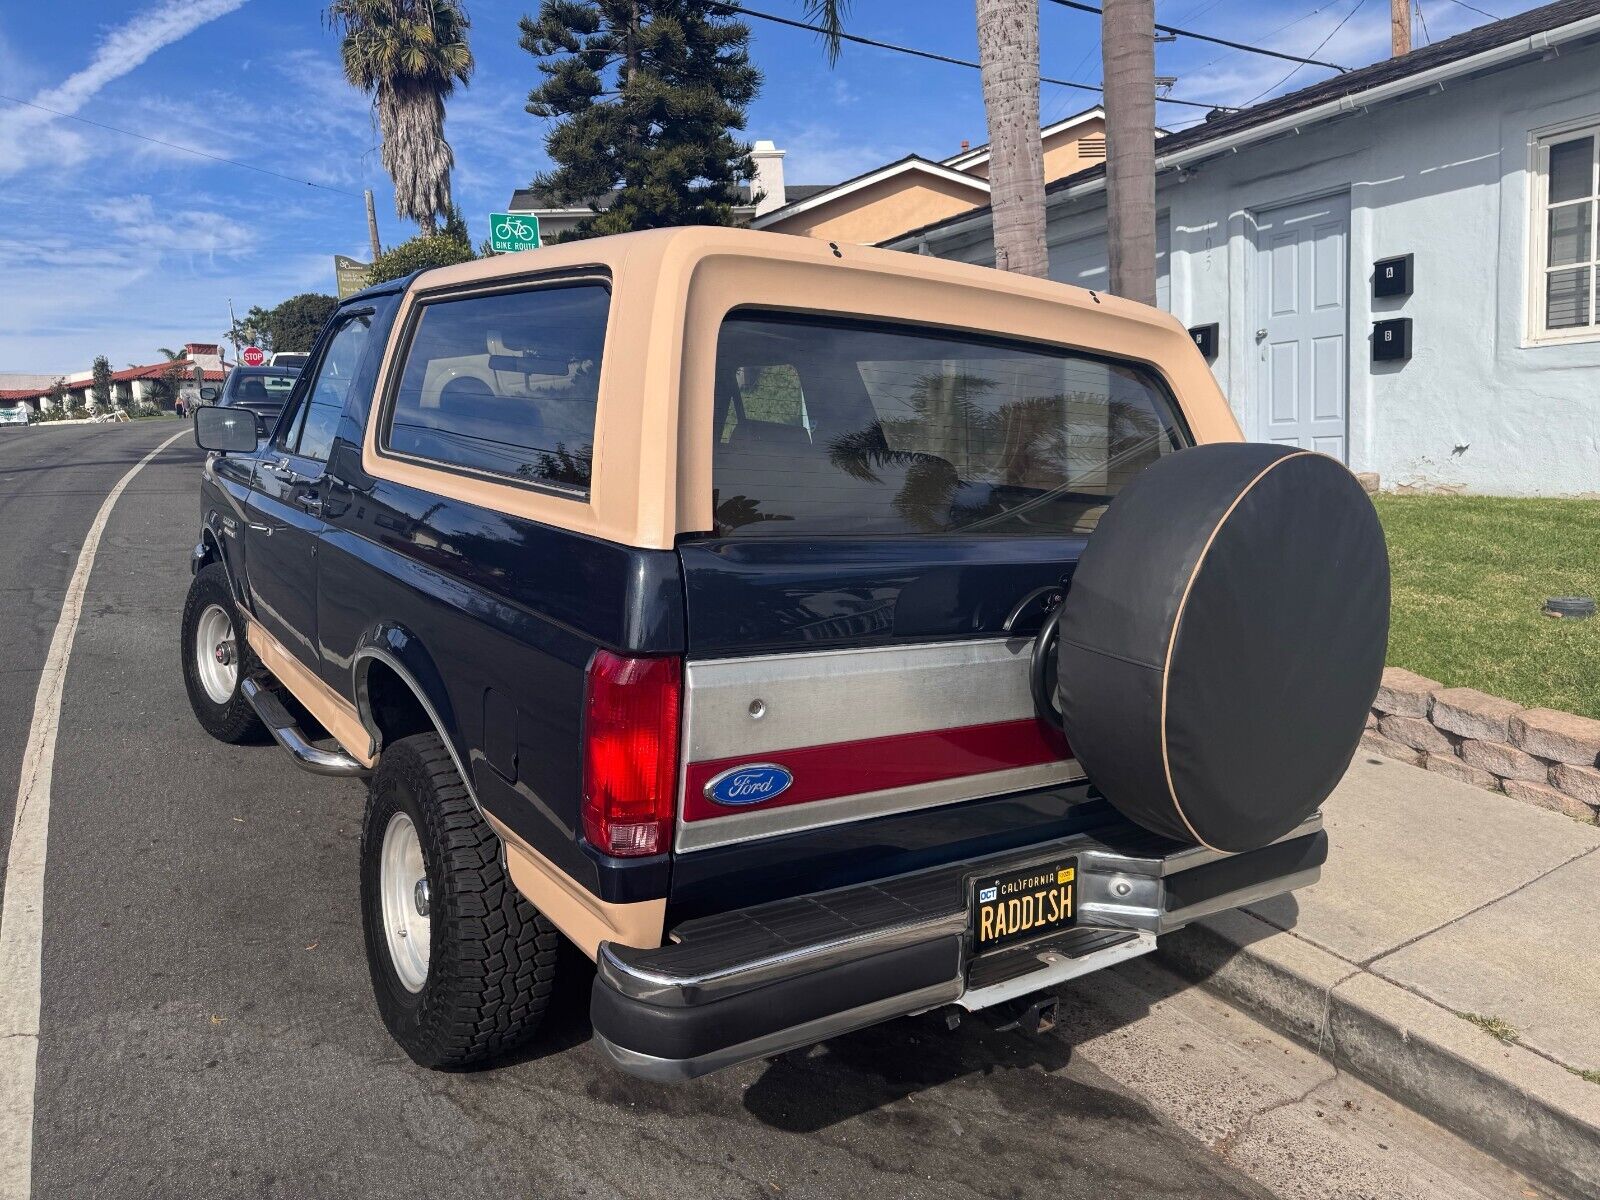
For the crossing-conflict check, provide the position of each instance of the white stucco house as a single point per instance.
(1476, 163)
(130, 388)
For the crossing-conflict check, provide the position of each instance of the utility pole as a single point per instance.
(1128, 58)
(372, 227)
(233, 329)
(1400, 27)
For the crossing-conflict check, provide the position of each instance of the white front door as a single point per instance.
(1301, 291)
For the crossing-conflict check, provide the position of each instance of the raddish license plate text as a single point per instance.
(1022, 904)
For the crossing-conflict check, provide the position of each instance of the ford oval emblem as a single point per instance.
(749, 784)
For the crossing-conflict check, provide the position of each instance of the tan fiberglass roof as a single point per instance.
(670, 292)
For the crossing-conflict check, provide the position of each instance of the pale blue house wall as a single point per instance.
(1444, 176)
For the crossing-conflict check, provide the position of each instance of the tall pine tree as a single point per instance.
(648, 95)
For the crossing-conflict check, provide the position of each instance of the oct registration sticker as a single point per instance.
(1023, 904)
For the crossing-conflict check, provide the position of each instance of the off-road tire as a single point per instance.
(234, 721)
(492, 955)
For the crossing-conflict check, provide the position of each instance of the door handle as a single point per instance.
(310, 502)
(1261, 335)
(263, 530)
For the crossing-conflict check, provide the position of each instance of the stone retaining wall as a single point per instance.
(1537, 755)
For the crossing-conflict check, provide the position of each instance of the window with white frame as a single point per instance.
(1567, 248)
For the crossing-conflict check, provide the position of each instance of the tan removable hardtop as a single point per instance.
(671, 289)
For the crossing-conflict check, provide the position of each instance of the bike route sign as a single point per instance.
(509, 232)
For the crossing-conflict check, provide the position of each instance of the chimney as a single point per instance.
(1400, 27)
(769, 177)
(965, 145)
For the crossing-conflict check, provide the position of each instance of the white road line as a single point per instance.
(22, 914)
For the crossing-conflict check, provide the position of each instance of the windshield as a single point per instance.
(853, 427)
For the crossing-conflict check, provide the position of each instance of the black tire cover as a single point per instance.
(1222, 639)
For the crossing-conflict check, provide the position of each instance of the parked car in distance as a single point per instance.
(262, 390)
(18, 414)
(809, 634)
(289, 358)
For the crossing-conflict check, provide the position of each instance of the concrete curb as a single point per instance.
(1511, 1102)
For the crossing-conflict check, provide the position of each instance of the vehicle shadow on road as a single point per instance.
(848, 1077)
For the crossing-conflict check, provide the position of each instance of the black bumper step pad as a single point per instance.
(1014, 962)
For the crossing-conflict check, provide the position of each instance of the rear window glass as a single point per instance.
(261, 388)
(828, 426)
(505, 384)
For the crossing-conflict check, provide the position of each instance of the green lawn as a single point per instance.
(1470, 573)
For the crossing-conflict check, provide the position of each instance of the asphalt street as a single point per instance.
(207, 1026)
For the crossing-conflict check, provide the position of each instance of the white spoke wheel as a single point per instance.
(403, 892)
(215, 657)
(216, 654)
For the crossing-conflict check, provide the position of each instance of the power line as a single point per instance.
(728, 6)
(1319, 46)
(1479, 11)
(1423, 21)
(1206, 37)
(1270, 35)
(232, 162)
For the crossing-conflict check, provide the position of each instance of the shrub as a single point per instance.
(419, 254)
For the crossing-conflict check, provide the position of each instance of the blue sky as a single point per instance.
(113, 245)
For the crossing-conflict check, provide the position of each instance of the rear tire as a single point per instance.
(481, 987)
(211, 625)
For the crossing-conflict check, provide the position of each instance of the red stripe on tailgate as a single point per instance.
(877, 764)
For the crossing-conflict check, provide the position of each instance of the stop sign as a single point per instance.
(252, 356)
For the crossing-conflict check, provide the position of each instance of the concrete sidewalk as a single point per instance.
(1439, 902)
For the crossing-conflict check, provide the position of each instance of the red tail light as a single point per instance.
(630, 752)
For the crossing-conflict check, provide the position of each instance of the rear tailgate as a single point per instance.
(882, 689)
(894, 508)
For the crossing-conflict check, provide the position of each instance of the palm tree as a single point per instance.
(1008, 51)
(409, 54)
(1128, 56)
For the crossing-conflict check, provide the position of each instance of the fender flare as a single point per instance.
(213, 547)
(402, 652)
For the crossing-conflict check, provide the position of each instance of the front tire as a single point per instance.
(216, 659)
(431, 874)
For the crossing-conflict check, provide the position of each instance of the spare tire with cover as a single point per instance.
(1222, 640)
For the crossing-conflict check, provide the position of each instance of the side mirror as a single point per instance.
(208, 394)
(225, 429)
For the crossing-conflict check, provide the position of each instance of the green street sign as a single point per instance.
(509, 232)
(350, 276)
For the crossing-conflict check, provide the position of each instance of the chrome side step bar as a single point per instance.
(289, 735)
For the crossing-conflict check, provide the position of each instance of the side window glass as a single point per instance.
(310, 432)
(505, 384)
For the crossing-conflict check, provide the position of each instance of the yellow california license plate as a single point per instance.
(1018, 905)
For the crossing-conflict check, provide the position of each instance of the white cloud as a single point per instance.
(30, 136)
(822, 153)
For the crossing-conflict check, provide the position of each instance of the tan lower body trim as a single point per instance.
(585, 918)
(336, 714)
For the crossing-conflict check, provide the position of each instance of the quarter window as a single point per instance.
(1567, 241)
(505, 384)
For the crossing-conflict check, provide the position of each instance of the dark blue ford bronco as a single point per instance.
(810, 635)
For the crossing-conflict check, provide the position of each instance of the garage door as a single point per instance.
(1084, 261)
(1299, 292)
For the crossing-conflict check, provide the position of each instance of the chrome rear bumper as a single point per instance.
(752, 983)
